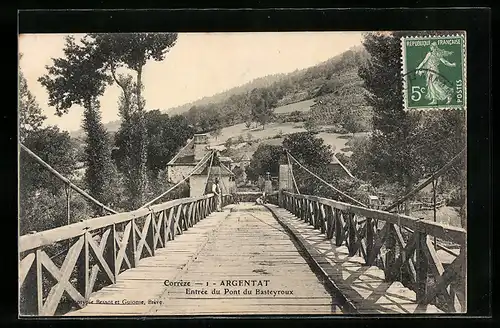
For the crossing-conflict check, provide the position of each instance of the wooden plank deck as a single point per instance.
(245, 242)
(363, 286)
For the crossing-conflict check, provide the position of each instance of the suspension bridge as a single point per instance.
(295, 254)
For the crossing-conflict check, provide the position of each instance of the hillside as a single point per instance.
(262, 82)
(233, 106)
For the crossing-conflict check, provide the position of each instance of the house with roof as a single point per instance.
(244, 160)
(182, 165)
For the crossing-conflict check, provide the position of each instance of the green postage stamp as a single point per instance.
(434, 72)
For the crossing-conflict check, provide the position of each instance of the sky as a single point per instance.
(199, 65)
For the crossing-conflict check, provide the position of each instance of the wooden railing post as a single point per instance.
(421, 267)
(308, 211)
(390, 255)
(322, 216)
(190, 215)
(110, 251)
(39, 282)
(330, 222)
(351, 232)
(339, 229)
(316, 220)
(150, 235)
(165, 225)
(30, 296)
(369, 240)
(195, 212)
(83, 269)
(133, 242)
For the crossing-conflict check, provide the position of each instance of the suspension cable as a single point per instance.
(326, 183)
(200, 163)
(65, 180)
(426, 182)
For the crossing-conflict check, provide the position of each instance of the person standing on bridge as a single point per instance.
(218, 194)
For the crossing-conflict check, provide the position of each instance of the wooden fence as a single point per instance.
(97, 250)
(400, 245)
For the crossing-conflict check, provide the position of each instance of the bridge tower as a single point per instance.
(284, 180)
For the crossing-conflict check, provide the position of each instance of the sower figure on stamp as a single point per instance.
(437, 90)
(218, 194)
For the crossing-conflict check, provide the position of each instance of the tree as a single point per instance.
(133, 50)
(41, 194)
(56, 149)
(229, 143)
(312, 153)
(402, 148)
(79, 79)
(308, 149)
(248, 123)
(265, 159)
(392, 154)
(166, 135)
(240, 175)
(30, 113)
(262, 102)
(310, 125)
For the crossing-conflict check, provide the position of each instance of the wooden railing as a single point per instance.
(400, 245)
(426, 206)
(97, 251)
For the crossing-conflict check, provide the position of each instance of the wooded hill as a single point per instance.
(333, 82)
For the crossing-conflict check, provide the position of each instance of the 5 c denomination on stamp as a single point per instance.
(433, 69)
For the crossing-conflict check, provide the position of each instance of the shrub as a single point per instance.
(278, 135)
(229, 143)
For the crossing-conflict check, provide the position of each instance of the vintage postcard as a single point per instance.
(212, 174)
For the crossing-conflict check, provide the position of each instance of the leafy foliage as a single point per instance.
(308, 149)
(76, 79)
(341, 99)
(99, 175)
(55, 148)
(166, 135)
(45, 210)
(311, 126)
(265, 159)
(240, 175)
(42, 198)
(132, 50)
(79, 79)
(406, 146)
(263, 101)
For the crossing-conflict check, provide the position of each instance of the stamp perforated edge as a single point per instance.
(404, 69)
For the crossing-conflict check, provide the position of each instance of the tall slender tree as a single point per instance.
(394, 158)
(132, 51)
(78, 78)
(406, 145)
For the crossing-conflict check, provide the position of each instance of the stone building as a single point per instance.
(182, 164)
